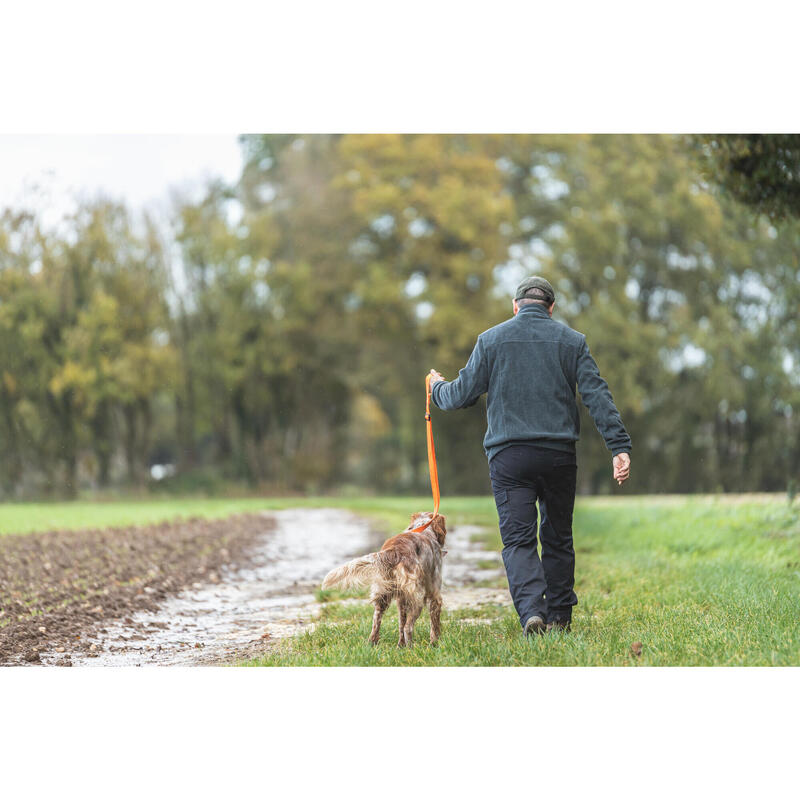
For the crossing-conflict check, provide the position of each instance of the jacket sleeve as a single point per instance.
(597, 398)
(471, 383)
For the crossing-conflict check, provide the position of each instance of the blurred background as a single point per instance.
(257, 313)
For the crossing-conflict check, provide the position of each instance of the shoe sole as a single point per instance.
(535, 627)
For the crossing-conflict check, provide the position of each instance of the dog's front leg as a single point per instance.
(381, 603)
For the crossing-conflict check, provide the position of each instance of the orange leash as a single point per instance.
(431, 456)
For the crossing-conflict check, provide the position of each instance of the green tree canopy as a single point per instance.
(760, 170)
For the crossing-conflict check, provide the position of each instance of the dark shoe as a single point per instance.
(535, 625)
(559, 625)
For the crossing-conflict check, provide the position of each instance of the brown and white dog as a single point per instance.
(407, 568)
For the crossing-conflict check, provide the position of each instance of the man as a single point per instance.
(530, 366)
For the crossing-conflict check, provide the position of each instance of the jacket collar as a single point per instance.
(535, 310)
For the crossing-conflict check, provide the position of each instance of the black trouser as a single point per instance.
(521, 475)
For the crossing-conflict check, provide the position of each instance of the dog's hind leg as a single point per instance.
(413, 610)
(436, 611)
(381, 603)
(401, 614)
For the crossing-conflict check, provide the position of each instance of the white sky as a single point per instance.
(139, 169)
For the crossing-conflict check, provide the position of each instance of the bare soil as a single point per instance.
(60, 589)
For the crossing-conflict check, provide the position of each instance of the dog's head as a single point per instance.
(437, 525)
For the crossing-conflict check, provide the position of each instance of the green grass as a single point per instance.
(698, 581)
(392, 513)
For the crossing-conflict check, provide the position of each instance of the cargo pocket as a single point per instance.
(503, 506)
(500, 498)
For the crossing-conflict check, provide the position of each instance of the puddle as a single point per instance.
(234, 618)
(461, 562)
(461, 572)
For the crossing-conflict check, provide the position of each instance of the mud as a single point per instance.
(463, 580)
(196, 592)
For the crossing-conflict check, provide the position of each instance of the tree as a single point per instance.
(431, 212)
(82, 326)
(760, 170)
(664, 278)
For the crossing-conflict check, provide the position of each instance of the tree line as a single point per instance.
(275, 333)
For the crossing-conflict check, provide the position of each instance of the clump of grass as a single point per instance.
(334, 595)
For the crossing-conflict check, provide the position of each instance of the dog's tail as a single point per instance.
(358, 572)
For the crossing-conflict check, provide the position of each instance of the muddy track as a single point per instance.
(194, 592)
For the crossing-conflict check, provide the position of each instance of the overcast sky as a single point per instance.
(139, 169)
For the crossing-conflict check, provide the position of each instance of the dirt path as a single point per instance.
(234, 619)
(465, 566)
(215, 612)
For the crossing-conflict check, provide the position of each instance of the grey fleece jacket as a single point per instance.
(530, 366)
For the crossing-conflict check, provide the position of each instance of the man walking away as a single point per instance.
(530, 366)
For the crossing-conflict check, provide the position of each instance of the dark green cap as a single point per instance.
(535, 282)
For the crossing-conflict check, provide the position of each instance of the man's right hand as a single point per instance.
(435, 377)
(622, 468)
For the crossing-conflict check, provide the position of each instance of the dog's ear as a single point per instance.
(438, 527)
(411, 524)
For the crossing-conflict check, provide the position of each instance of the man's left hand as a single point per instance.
(622, 467)
(435, 377)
